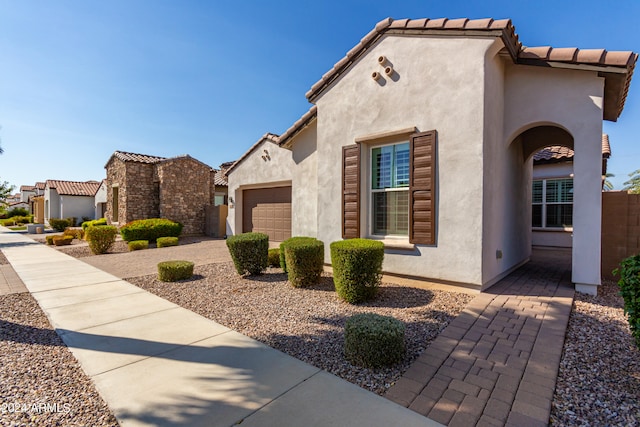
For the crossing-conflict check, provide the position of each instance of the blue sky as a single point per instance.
(81, 79)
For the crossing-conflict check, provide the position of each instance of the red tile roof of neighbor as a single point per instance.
(74, 188)
(615, 67)
(135, 157)
(40, 185)
(27, 188)
(556, 153)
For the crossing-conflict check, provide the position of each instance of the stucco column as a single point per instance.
(587, 213)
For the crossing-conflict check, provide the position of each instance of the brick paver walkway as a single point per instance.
(10, 283)
(496, 364)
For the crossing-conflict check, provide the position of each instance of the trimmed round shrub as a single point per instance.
(372, 340)
(94, 222)
(172, 271)
(357, 268)
(76, 233)
(49, 239)
(101, 238)
(629, 284)
(150, 229)
(62, 240)
(137, 245)
(58, 224)
(162, 242)
(249, 252)
(304, 258)
(273, 257)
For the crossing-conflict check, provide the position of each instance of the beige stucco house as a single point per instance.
(67, 199)
(422, 136)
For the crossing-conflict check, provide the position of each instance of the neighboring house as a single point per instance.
(26, 193)
(37, 203)
(101, 200)
(423, 136)
(67, 199)
(140, 186)
(221, 184)
(18, 205)
(552, 194)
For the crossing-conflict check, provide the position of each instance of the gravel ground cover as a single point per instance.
(599, 379)
(41, 383)
(308, 324)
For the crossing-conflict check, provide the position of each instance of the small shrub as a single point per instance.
(273, 257)
(357, 268)
(162, 242)
(629, 284)
(304, 259)
(136, 245)
(72, 221)
(62, 240)
(17, 212)
(101, 238)
(49, 239)
(150, 229)
(372, 340)
(283, 261)
(76, 233)
(92, 223)
(16, 220)
(58, 224)
(171, 271)
(249, 252)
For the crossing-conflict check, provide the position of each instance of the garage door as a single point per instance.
(268, 210)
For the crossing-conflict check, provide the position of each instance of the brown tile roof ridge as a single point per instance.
(560, 152)
(607, 62)
(40, 185)
(136, 157)
(270, 137)
(74, 188)
(297, 127)
(27, 188)
(219, 178)
(182, 157)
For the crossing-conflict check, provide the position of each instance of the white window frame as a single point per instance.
(370, 192)
(544, 205)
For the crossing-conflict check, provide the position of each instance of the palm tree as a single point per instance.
(606, 184)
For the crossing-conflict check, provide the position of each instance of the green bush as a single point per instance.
(629, 283)
(357, 268)
(16, 220)
(136, 245)
(72, 220)
(49, 239)
(17, 212)
(162, 242)
(150, 229)
(58, 224)
(101, 238)
(94, 222)
(62, 240)
(171, 271)
(372, 340)
(283, 262)
(249, 252)
(304, 259)
(273, 257)
(76, 233)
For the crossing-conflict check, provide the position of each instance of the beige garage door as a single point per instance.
(268, 210)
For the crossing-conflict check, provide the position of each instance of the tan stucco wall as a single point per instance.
(573, 100)
(254, 172)
(439, 85)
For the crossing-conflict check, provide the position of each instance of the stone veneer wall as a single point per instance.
(185, 191)
(137, 192)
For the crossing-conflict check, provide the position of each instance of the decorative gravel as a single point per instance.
(308, 324)
(599, 379)
(41, 383)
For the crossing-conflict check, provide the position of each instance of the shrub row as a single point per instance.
(59, 224)
(150, 229)
(17, 220)
(171, 271)
(136, 245)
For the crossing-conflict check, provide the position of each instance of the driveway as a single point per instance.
(141, 263)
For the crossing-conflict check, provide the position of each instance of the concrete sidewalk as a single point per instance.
(155, 363)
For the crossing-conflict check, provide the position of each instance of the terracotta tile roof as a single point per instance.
(556, 153)
(220, 179)
(40, 185)
(27, 188)
(138, 158)
(74, 188)
(615, 67)
(271, 137)
(298, 126)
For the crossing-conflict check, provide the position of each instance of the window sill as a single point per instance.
(553, 229)
(396, 245)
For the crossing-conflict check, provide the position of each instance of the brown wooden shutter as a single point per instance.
(351, 191)
(422, 225)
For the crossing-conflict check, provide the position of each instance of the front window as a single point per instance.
(389, 190)
(552, 203)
